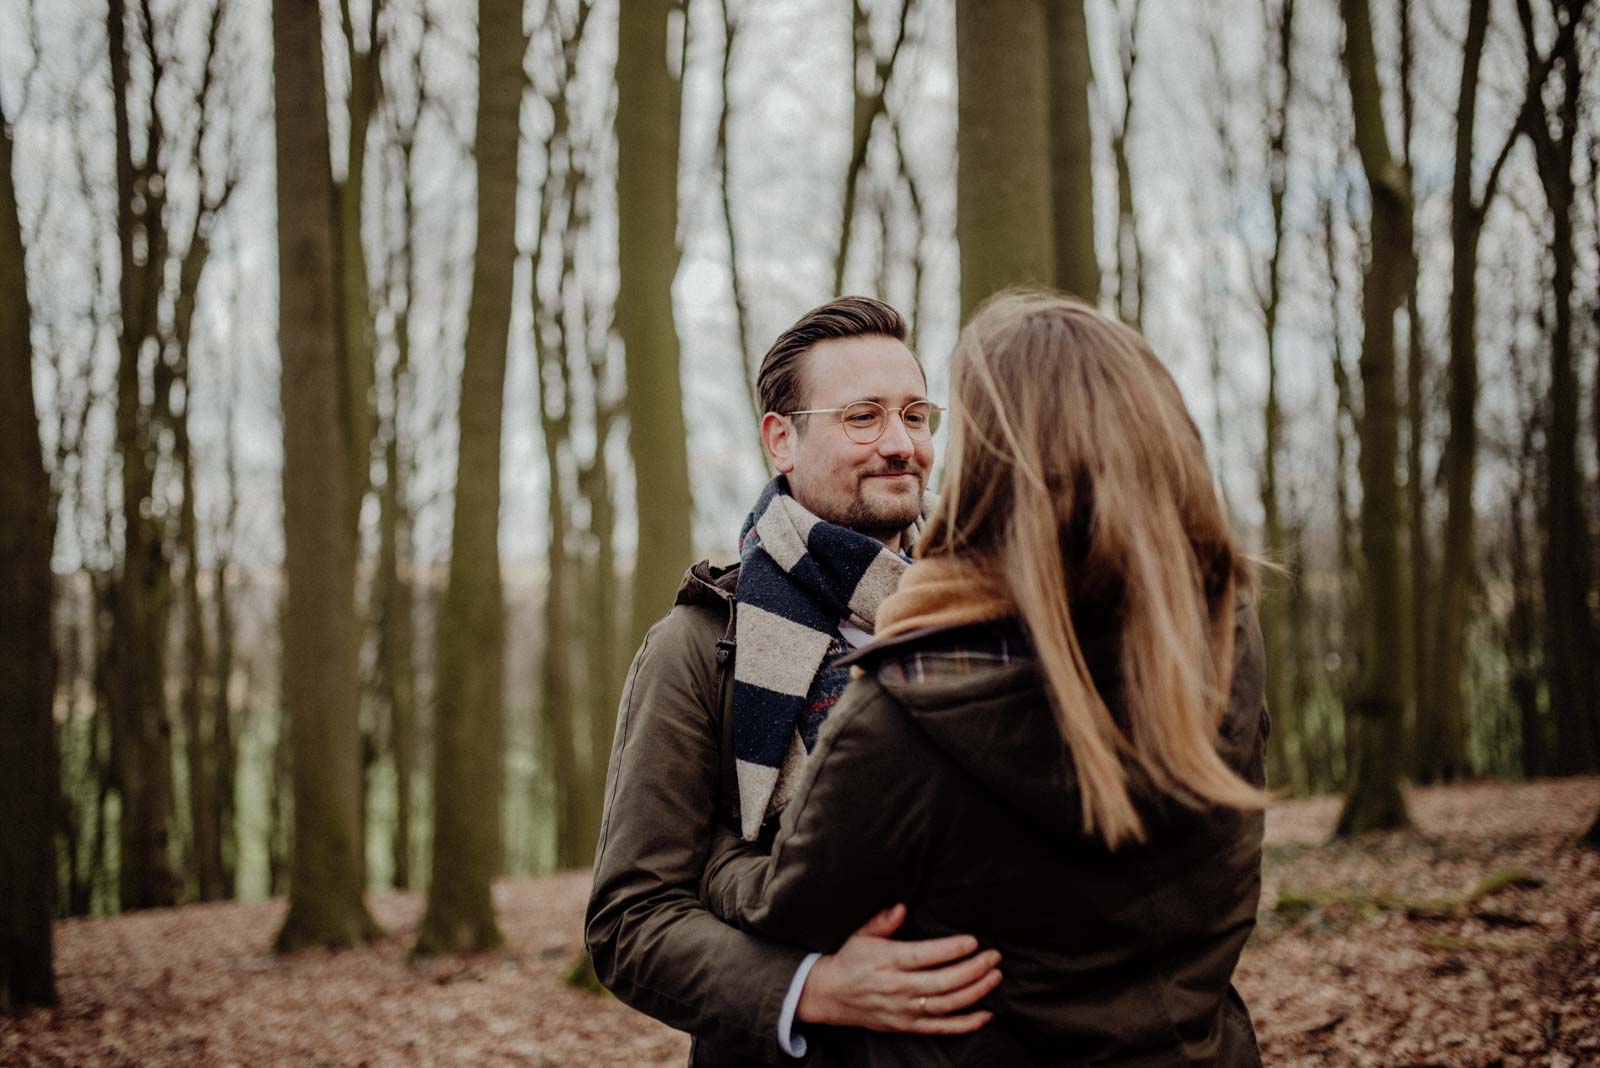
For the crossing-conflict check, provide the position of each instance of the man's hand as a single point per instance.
(884, 985)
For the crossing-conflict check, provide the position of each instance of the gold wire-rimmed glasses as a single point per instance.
(865, 421)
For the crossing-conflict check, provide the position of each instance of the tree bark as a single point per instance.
(1130, 256)
(1077, 268)
(1275, 619)
(395, 593)
(1414, 648)
(557, 237)
(142, 734)
(648, 103)
(1004, 196)
(1522, 623)
(320, 639)
(741, 307)
(200, 749)
(205, 845)
(1443, 753)
(29, 786)
(355, 310)
(1569, 630)
(469, 719)
(870, 103)
(1375, 801)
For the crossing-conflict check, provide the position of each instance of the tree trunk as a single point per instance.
(143, 730)
(1130, 256)
(469, 725)
(1346, 427)
(1413, 648)
(741, 306)
(396, 557)
(648, 105)
(355, 311)
(870, 102)
(1569, 630)
(1444, 751)
(605, 669)
(320, 640)
(1522, 625)
(225, 755)
(29, 785)
(1004, 217)
(1275, 620)
(396, 669)
(1077, 269)
(1375, 801)
(557, 697)
(199, 747)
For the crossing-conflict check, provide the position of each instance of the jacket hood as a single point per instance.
(996, 723)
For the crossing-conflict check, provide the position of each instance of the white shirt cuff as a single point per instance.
(794, 1044)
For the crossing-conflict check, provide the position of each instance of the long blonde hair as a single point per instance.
(1076, 476)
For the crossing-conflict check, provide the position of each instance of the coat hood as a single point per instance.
(997, 725)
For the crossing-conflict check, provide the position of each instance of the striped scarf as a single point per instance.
(799, 578)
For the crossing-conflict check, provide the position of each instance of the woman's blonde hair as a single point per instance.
(1076, 476)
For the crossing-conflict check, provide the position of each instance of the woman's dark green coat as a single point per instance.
(941, 781)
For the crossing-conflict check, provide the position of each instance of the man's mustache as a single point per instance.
(894, 467)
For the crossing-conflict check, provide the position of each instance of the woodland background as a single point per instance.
(372, 369)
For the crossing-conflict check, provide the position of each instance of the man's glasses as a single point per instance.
(865, 421)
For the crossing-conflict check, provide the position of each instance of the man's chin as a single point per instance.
(890, 514)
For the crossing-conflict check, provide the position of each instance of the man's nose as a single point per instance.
(896, 441)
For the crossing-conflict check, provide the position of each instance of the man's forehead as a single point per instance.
(878, 369)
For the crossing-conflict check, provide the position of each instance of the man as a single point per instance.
(724, 700)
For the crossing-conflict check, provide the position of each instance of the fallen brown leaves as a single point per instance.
(1472, 939)
(1349, 973)
(197, 986)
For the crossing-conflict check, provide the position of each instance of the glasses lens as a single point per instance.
(863, 422)
(921, 419)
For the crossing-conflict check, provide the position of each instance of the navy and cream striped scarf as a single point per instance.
(799, 578)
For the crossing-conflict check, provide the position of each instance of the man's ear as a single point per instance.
(777, 438)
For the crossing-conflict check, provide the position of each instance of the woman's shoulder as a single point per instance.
(946, 650)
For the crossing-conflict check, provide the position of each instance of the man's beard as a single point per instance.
(885, 519)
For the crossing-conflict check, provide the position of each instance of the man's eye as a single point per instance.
(915, 419)
(861, 418)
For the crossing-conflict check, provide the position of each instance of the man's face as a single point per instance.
(875, 488)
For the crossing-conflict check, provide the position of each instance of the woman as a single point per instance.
(1055, 742)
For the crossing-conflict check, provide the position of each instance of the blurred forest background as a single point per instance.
(370, 370)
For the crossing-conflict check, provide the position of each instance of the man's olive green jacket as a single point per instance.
(669, 785)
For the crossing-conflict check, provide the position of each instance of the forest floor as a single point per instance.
(1473, 939)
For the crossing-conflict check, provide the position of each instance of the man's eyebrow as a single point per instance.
(876, 399)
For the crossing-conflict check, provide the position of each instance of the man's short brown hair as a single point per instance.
(779, 383)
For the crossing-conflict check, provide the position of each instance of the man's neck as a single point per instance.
(892, 542)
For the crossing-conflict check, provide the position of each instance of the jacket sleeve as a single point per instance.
(855, 840)
(653, 943)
